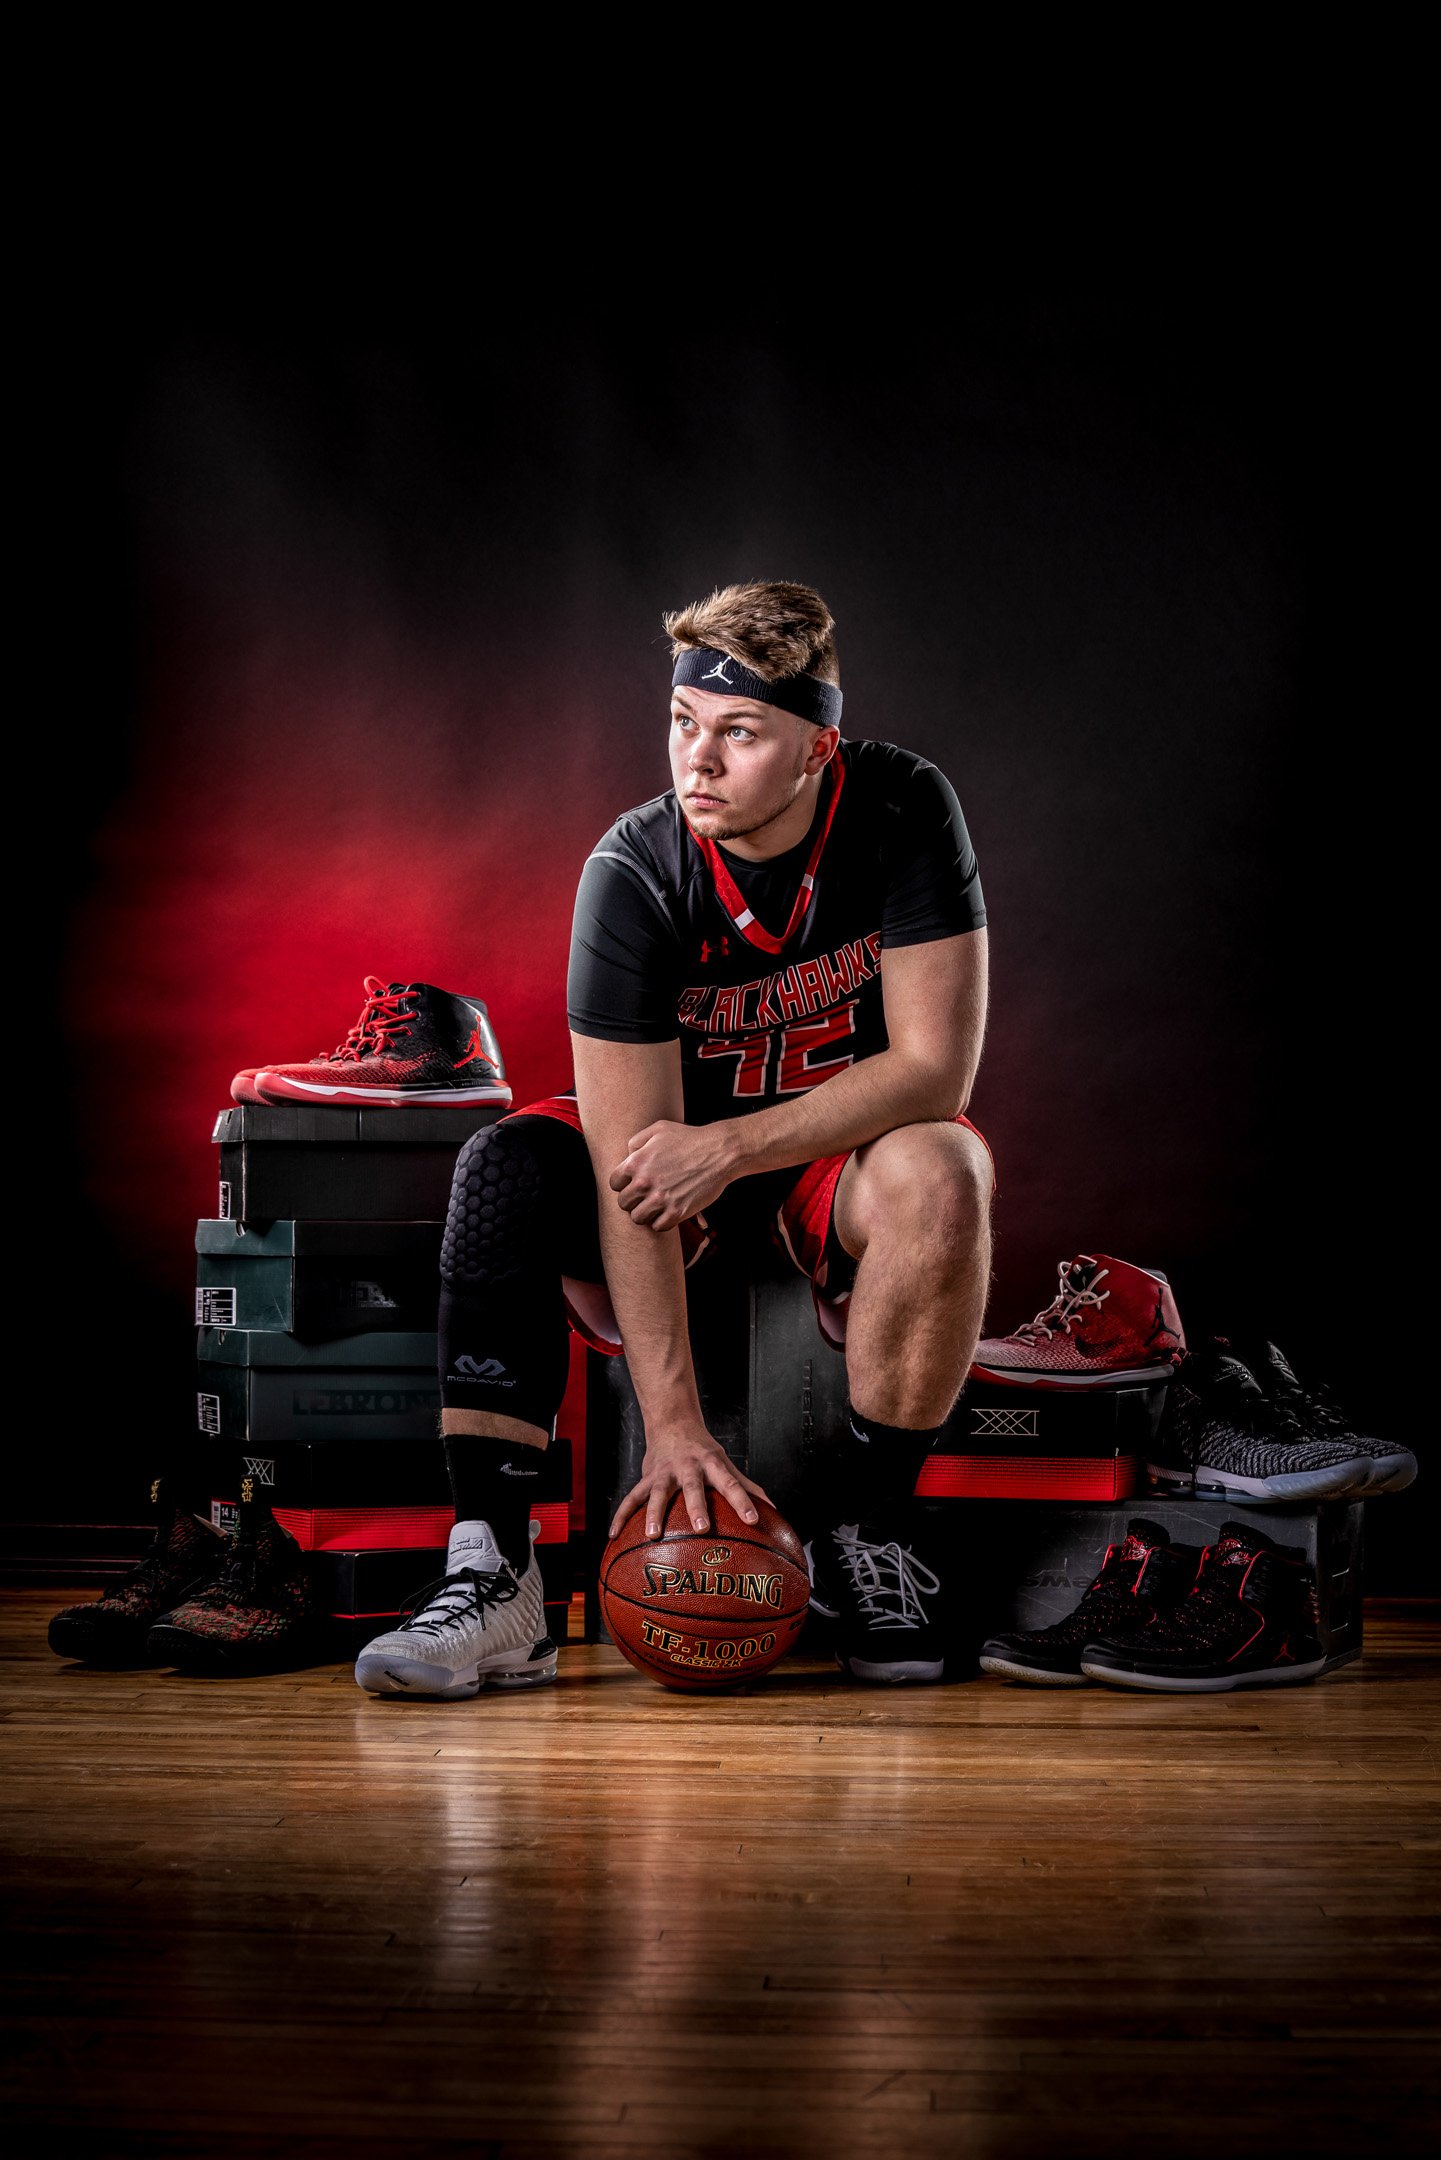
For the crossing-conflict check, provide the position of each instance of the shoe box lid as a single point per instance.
(373, 1352)
(287, 1239)
(297, 1124)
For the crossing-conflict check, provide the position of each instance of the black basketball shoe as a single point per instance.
(113, 1629)
(413, 1044)
(1144, 1575)
(1248, 1621)
(1393, 1466)
(1222, 1434)
(260, 1612)
(887, 1604)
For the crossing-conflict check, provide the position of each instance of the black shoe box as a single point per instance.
(318, 1280)
(1045, 1444)
(1025, 1566)
(261, 1387)
(386, 1477)
(375, 1476)
(341, 1165)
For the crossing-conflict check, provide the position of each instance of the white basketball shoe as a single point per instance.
(481, 1625)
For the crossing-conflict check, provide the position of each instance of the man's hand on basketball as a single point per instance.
(687, 1464)
(672, 1172)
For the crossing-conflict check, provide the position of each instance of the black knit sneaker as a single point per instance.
(261, 1611)
(1144, 1575)
(113, 1629)
(1249, 1621)
(1393, 1467)
(1221, 1434)
(887, 1603)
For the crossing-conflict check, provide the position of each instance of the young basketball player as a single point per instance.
(777, 999)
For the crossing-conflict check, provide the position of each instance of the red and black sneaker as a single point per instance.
(1108, 1323)
(1249, 1621)
(260, 1612)
(413, 1044)
(114, 1629)
(1144, 1575)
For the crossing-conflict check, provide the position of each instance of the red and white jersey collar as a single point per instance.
(733, 900)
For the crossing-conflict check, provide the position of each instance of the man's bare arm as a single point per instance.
(935, 1004)
(619, 1085)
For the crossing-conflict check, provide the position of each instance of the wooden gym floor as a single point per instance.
(276, 1918)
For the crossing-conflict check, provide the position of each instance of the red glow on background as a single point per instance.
(283, 838)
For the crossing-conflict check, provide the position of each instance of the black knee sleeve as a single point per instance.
(512, 1217)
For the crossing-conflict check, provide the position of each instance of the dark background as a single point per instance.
(365, 651)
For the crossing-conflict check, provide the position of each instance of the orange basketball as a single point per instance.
(705, 1609)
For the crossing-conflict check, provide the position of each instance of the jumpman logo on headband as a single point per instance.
(719, 670)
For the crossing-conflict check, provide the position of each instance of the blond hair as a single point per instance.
(774, 629)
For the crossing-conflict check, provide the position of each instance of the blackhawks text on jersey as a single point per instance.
(769, 973)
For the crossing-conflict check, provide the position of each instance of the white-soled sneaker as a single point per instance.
(480, 1626)
(886, 1602)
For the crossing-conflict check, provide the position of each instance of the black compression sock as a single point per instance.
(877, 1467)
(495, 1481)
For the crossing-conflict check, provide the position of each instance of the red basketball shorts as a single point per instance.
(794, 1208)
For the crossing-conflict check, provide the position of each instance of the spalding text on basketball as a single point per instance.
(663, 1581)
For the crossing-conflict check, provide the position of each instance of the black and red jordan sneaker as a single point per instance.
(413, 1044)
(261, 1611)
(1248, 1621)
(113, 1630)
(1108, 1324)
(1142, 1576)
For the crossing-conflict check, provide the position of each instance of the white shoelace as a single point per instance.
(889, 1580)
(1063, 1308)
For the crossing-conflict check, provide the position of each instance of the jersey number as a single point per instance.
(798, 1069)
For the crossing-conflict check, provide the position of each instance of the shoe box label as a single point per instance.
(215, 1306)
(222, 1206)
(207, 1413)
(1005, 1424)
(225, 1515)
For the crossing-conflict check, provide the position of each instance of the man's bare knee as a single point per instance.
(931, 1182)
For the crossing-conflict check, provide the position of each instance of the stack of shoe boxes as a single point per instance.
(315, 1309)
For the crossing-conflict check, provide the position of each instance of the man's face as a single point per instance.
(738, 765)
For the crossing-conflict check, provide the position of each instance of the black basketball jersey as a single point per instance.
(769, 973)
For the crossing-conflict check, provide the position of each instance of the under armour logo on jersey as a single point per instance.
(718, 673)
(491, 1369)
(706, 949)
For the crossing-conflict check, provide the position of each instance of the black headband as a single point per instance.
(804, 695)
